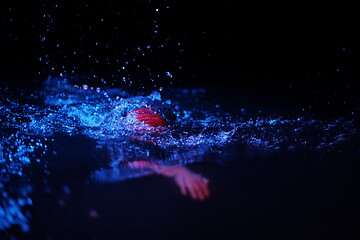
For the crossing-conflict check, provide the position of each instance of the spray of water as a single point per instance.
(90, 93)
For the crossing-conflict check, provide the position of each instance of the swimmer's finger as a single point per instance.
(191, 189)
(200, 193)
(181, 183)
(204, 189)
(206, 186)
(196, 184)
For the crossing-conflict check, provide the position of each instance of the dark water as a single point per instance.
(64, 172)
(268, 113)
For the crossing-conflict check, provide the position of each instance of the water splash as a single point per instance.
(19, 152)
(197, 130)
(108, 45)
(102, 115)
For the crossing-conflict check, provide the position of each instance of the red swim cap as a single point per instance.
(144, 119)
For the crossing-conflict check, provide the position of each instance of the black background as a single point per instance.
(283, 53)
(296, 55)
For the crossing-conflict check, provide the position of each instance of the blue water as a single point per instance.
(264, 121)
(65, 137)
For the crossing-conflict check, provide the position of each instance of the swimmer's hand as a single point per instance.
(188, 182)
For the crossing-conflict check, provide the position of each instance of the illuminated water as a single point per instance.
(37, 128)
(267, 113)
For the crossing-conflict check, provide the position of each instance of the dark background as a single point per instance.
(298, 56)
(301, 54)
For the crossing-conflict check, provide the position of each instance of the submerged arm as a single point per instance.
(189, 182)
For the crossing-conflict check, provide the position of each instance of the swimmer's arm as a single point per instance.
(189, 182)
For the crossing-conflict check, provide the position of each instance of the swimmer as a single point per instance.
(145, 120)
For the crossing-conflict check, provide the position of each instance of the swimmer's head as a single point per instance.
(147, 121)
